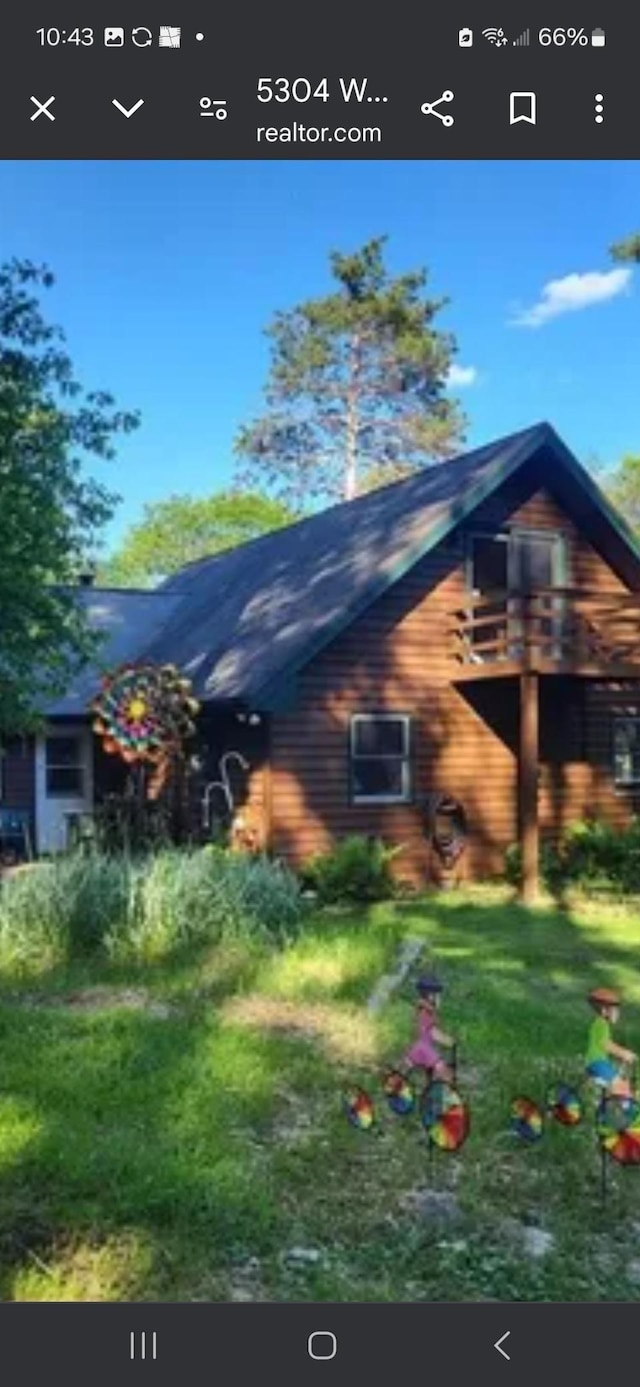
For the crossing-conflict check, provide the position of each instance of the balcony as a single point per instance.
(549, 631)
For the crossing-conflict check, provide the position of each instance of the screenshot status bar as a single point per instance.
(437, 87)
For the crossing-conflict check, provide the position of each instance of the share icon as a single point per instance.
(430, 108)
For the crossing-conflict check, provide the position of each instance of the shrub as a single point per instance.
(595, 852)
(356, 869)
(143, 907)
(591, 853)
(550, 866)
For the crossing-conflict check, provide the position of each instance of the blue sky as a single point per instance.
(168, 272)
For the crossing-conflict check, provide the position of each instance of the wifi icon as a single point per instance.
(495, 36)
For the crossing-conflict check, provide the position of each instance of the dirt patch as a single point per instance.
(295, 1123)
(343, 1033)
(95, 999)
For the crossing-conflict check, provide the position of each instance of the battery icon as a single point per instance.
(597, 38)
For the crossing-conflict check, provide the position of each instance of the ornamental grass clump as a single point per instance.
(142, 907)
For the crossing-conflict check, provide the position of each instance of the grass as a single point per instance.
(173, 1131)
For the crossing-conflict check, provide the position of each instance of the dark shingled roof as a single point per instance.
(253, 614)
(127, 621)
(240, 622)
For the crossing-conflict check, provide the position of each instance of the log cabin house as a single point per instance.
(472, 632)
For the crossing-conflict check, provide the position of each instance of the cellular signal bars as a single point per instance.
(523, 40)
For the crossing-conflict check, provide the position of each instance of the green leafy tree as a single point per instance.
(628, 250)
(623, 485)
(623, 488)
(183, 528)
(356, 393)
(50, 511)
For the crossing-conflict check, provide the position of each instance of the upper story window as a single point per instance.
(515, 561)
(501, 567)
(380, 758)
(626, 748)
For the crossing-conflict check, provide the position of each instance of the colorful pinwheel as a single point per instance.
(526, 1119)
(445, 1116)
(359, 1109)
(399, 1093)
(144, 712)
(564, 1105)
(618, 1129)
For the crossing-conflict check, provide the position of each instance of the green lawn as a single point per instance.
(176, 1132)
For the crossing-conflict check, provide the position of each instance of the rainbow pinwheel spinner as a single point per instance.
(618, 1128)
(563, 1104)
(445, 1116)
(526, 1119)
(359, 1109)
(144, 712)
(399, 1093)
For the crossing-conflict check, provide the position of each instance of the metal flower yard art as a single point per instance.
(144, 713)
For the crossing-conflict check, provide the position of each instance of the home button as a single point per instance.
(322, 1344)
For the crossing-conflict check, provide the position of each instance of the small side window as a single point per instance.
(65, 768)
(380, 758)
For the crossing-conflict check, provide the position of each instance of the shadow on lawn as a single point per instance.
(519, 975)
(136, 1130)
(152, 1136)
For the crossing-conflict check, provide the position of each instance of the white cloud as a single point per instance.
(459, 376)
(572, 293)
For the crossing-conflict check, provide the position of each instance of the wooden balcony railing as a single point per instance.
(567, 628)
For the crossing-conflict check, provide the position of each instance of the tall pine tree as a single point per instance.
(357, 389)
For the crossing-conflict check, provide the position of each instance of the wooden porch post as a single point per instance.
(528, 786)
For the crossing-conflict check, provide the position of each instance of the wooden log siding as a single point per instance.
(398, 658)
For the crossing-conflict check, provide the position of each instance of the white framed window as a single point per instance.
(626, 748)
(380, 758)
(65, 767)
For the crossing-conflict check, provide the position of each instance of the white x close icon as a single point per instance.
(42, 108)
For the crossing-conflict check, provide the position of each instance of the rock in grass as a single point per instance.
(303, 1256)
(247, 1282)
(435, 1206)
(537, 1242)
(534, 1242)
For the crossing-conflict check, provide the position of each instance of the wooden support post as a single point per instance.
(528, 786)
